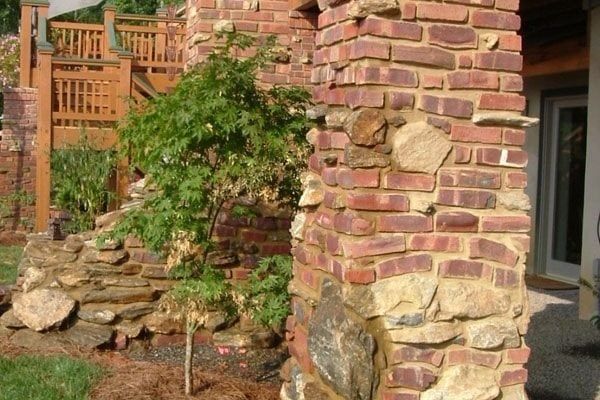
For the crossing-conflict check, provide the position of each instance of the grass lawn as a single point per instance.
(9, 259)
(46, 378)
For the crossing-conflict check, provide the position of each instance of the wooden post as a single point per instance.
(161, 39)
(26, 47)
(110, 12)
(43, 140)
(122, 108)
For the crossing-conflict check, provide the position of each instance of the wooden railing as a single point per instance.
(86, 74)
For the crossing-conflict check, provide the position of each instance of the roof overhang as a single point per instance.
(590, 4)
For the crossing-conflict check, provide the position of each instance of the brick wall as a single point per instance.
(409, 260)
(17, 156)
(294, 31)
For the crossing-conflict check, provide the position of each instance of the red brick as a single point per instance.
(409, 11)
(469, 356)
(324, 220)
(363, 98)
(391, 29)
(416, 354)
(511, 83)
(464, 269)
(400, 395)
(352, 224)
(271, 249)
(452, 36)
(476, 134)
(386, 76)
(517, 356)
(251, 26)
(501, 157)
(339, 140)
(299, 349)
(401, 100)
(515, 137)
(499, 60)
(259, 16)
(496, 20)
(465, 61)
(434, 243)
(505, 278)
(440, 123)
(414, 377)
(332, 200)
(328, 174)
(253, 236)
(404, 265)
(363, 48)
(513, 377)
(520, 223)
(522, 242)
(408, 181)
(516, 180)
(493, 251)
(404, 223)
(511, 5)
(477, 199)
(442, 12)
(330, 35)
(510, 43)
(308, 277)
(353, 178)
(456, 222)
(332, 243)
(377, 202)
(361, 276)
(423, 55)
(462, 154)
(449, 106)
(374, 246)
(432, 81)
(509, 102)
(471, 178)
(472, 80)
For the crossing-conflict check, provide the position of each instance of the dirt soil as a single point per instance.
(226, 377)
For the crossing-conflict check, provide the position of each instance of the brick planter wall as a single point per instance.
(17, 156)
(409, 258)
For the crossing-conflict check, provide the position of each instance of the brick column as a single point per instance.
(17, 158)
(409, 257)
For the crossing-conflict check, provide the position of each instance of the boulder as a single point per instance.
(43, 309)
(465, 382)
(117, 295)
(492, 333)
(469, 300)
(340, 349)
(366, 127)
(363, 8)
(386, 295)
(101, 317)
(419, 147)
(88, 335)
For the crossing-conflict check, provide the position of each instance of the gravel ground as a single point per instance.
(565, 351)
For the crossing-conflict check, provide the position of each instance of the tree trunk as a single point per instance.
(189, 355)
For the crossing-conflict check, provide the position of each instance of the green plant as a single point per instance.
(264, 297)
(46, 378)
(201, 290)
(80, 175)
(218, 136)
(596, 321)
(10, 257)
(9, 204)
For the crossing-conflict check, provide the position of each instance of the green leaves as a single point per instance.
(80, 176)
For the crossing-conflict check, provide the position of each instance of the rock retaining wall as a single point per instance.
(409, 258)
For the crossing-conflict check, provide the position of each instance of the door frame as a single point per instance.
(548, 98)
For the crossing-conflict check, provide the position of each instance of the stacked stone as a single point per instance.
(294, 31)
(17, 158)
(409, 258)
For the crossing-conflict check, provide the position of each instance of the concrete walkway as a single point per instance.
(565, 351)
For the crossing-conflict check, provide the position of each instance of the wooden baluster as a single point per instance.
(161, 38)
(122, 108)
(43, 141)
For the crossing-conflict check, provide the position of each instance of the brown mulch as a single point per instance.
(139, 380)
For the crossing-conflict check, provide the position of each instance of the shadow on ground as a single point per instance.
(565, 351)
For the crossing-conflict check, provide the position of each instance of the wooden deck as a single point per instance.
(86, 75)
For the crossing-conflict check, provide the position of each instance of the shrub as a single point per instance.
(80, 175)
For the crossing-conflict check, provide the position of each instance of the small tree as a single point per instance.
(218, 136)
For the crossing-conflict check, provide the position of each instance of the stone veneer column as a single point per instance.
(409, 258)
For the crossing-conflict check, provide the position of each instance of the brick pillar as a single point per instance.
(17, 158)
(409, 257)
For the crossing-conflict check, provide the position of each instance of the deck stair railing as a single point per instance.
(86, 74)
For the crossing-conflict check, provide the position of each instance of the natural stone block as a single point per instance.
(363, 8)
(419, 147)
(366, 127)
(492, 333)
(465, 382)
(431, 333)
(117, 295)
(468, 300)
(42, 309)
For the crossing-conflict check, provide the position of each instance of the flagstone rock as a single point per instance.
(419, 147)
(504, 118)
(136, 310)
(359, 157)
(74, 278)
(363, 8)
(89, 335)
(313, 194)
(118, 295)
(33, 278)
(492, 333)
(42, 309)
(432, 333)
(464, 382)
(366, 127)
(467, 300)
(101, 317)
(341, 351)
